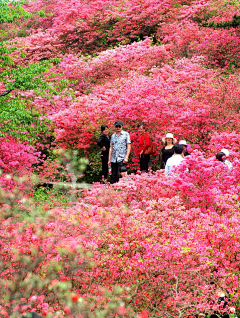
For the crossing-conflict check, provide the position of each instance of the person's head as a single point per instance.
(104, 129)
(118, 126)
(169, 139)
(225, 151)
(184, 143)
(141, 129)
(178, 149)
(123, 171)
(220, 156)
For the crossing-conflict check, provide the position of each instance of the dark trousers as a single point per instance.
(105, 167)
(144, 160)
(115, 170)
(217, 315)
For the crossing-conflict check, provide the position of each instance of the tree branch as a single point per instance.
(6, 92)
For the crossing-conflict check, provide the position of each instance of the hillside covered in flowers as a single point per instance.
(150, 246)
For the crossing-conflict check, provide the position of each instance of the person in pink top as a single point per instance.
(144, 143)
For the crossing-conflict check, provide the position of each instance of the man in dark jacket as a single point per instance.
(104, 143)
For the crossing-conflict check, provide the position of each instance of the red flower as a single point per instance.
(74, 298)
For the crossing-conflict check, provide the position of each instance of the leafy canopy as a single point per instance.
(12, 11)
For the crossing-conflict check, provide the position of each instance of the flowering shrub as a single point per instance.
(168, 243)
(16, 164)
(226, 140)
(89, 26)
(149, 245)
(221, 47)
(16, 158)
(156, 100)
(39, 268)
(114, 63)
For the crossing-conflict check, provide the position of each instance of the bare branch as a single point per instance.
(6, 92)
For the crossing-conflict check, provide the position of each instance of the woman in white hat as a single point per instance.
(167, 150)
(184, 143)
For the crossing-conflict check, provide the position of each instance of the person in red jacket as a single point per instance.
(144, 143)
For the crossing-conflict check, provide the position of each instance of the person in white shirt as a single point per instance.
(176, 159)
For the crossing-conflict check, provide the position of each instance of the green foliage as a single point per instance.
(26, 77)
(177, 5)
(207, 15)
(11, 11)
(17, 117)
(53, 197)
(94, 168)
(5, 59)
(19, 122)
(42, 194)
(41, 13)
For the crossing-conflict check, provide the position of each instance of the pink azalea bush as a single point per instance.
(200, 94)
(16, 158)
(168, 243)
(16, 163)
(149, 246)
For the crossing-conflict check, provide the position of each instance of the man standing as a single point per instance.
(176, 159)
(120, 147)
(104, 143)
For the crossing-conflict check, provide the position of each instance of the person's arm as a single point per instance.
(128, 142)
(100, 143)
(110, 155)
(110, 150)
(167, 169)
(162, 153)
(128, 153)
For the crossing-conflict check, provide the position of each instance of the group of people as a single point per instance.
(116, 150)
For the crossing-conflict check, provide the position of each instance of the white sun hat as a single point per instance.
(183, 142)
(225, 151)
(169, 135)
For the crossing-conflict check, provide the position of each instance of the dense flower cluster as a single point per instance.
(149, 245)
(15, 159)
(161, 80)
(170, 243)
